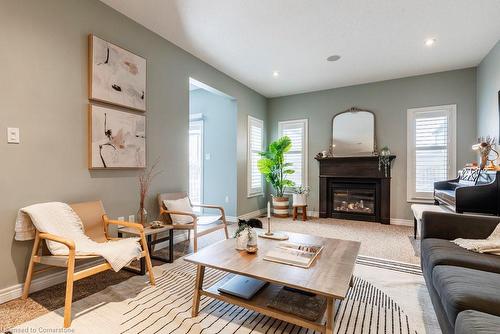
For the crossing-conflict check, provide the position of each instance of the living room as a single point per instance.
(360, 135)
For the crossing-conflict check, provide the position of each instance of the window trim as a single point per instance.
(305, 155)
(257, 191)
(451, 112)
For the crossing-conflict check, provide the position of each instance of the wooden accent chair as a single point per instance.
(96, 223)
(201, 225)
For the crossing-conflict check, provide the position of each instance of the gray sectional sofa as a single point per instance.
(464, 286)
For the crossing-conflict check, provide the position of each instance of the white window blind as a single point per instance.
(255, 145)
(431, 149)
(297, 156)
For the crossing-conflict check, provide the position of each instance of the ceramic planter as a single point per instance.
(280, 207)
(299, 199)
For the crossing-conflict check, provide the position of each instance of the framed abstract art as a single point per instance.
(117, 139)
(116, 76)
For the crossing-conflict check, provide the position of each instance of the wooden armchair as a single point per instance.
(201, 225)
(96, 224)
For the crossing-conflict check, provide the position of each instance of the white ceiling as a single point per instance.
(377, 39)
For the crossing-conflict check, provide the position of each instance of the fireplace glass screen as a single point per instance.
(360, 201)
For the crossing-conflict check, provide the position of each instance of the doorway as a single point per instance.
(212, 147)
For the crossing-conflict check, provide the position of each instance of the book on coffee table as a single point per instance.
(295, 254)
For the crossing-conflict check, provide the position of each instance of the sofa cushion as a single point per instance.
(474, 322)
(462, 289)
(444, 252)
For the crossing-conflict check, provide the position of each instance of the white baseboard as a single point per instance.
(403, 222)
(39, 283)
(252, 214)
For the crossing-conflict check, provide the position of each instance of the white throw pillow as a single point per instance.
(181, 204)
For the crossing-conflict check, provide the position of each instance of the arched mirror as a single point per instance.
(353, 133)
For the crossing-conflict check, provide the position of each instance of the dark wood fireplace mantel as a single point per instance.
(361, 177)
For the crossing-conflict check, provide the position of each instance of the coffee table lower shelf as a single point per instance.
(259, 304)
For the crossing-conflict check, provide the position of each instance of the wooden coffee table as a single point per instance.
(329, 276)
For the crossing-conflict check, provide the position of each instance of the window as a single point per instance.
(431, 149)
(196, 159)
(255, 145)
(297, 156)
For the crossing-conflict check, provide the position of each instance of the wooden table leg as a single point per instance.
(330, 313)
(294, 213)
(198, 286)
(304, 213)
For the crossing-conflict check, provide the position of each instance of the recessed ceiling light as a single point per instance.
(276, 74)
(333, 58)
(430, 41)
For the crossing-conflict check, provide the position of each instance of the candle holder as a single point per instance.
(269, 227)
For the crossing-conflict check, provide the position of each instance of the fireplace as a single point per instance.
(352, 199)
(354, 188)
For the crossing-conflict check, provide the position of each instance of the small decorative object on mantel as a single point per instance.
(485, 147)
(144, 182)
(384, 159)
(275, 170)
(299, 195)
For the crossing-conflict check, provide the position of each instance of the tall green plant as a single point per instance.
(273, 166)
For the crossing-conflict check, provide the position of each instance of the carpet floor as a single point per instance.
(382, 241)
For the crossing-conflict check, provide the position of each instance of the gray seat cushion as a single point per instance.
(463, 289)
(474, 322)
(443, 252)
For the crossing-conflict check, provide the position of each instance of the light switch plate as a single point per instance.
(13, 135)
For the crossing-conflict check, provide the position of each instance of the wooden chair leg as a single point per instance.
(225, 226)
(189, 234)
(149, 265)
(69, 288)
(195, 241)
(31, 267)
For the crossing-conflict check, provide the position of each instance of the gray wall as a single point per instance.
(43, 91)
(488, 85)
(389, 100)
(219, 132)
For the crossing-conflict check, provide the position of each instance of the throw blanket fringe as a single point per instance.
(489, 245)
(60, 219)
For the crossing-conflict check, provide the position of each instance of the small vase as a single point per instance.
(252, 237)
(242, 240)
(142, 216)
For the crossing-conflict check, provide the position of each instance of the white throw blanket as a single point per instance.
(60, 219)
(489, 245)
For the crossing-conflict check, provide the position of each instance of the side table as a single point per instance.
(149, 233)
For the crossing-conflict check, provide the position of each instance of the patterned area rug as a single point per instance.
(387, 297)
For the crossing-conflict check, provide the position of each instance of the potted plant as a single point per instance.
(245, 235)
(275, 170)
(299, 195)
